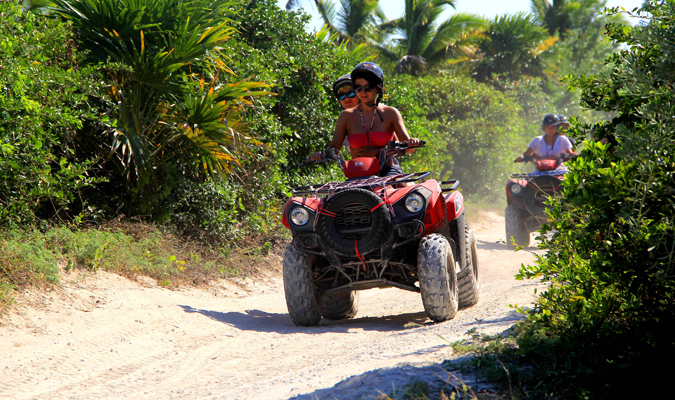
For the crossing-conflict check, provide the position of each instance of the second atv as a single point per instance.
(525, 197)
(404, 231)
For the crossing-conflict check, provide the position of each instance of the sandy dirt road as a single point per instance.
(106, 337)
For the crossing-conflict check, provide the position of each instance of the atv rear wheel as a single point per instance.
(516, 229)
(467, 279)
(342, 305)
(302, 298)
(438, 281)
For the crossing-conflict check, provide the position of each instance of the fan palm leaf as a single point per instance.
(514, 45)
(160, 49)
(354, 20)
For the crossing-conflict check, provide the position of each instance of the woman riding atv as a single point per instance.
(370, 125)
(550, 145)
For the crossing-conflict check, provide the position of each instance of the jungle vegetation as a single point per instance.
(189, 118)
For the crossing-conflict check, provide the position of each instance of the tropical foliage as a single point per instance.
(45, 94)
(604, 319)
(514, 46)
(355, 20)
(176, 132)
(424, 39)
(273, 46)
(462, 122)
(168, 105)
(196, 114)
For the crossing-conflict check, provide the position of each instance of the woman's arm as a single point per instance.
(527, 152)
(400, 132)
(567, 145)
(338, 136)
(340, 131)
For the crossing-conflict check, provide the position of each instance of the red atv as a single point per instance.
(525, 197)
(402, 231)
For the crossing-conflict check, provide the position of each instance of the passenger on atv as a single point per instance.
(370, 125)
(549, 146)
(564, 126)
(344, 92)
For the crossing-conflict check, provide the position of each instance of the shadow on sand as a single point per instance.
(392, 382)
(262, 321)
(502, 247)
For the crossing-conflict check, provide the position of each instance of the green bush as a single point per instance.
(602, 328)
(472, 130)
(273, 46)
(45, 93)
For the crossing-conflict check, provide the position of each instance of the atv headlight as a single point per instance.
(299, 216)
(414, 203)
(516, 188)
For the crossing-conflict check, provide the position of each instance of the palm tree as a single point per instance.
(514, 45)
(426, 43)
(356, 20)
(557, 16)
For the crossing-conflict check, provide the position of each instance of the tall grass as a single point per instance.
(33, 257)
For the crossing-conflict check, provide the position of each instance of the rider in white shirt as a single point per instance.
(550, 145)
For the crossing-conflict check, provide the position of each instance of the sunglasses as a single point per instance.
(368, 88)
(349, 94)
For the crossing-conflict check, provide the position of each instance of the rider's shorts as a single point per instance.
(391, 170)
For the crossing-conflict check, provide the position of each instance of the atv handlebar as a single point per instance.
(332, 154)
(563, 157)
(328, 155)
(391, 145)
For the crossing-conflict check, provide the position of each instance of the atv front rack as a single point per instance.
(361, 183)
(539, 173)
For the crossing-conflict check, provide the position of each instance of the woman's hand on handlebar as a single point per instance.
(316, 156)
(411, 143)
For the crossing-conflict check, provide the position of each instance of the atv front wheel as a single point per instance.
(515, 228)
(467, 279)
(302, 299)
(342, 305)
(438, 281)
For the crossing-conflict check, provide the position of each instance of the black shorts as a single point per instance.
(391, 170)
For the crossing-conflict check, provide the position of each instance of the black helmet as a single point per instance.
(344, 80)
(370, 72)
(563, 119)
(550, 120)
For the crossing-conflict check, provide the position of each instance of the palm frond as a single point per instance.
(291, 4)
(452, 32)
